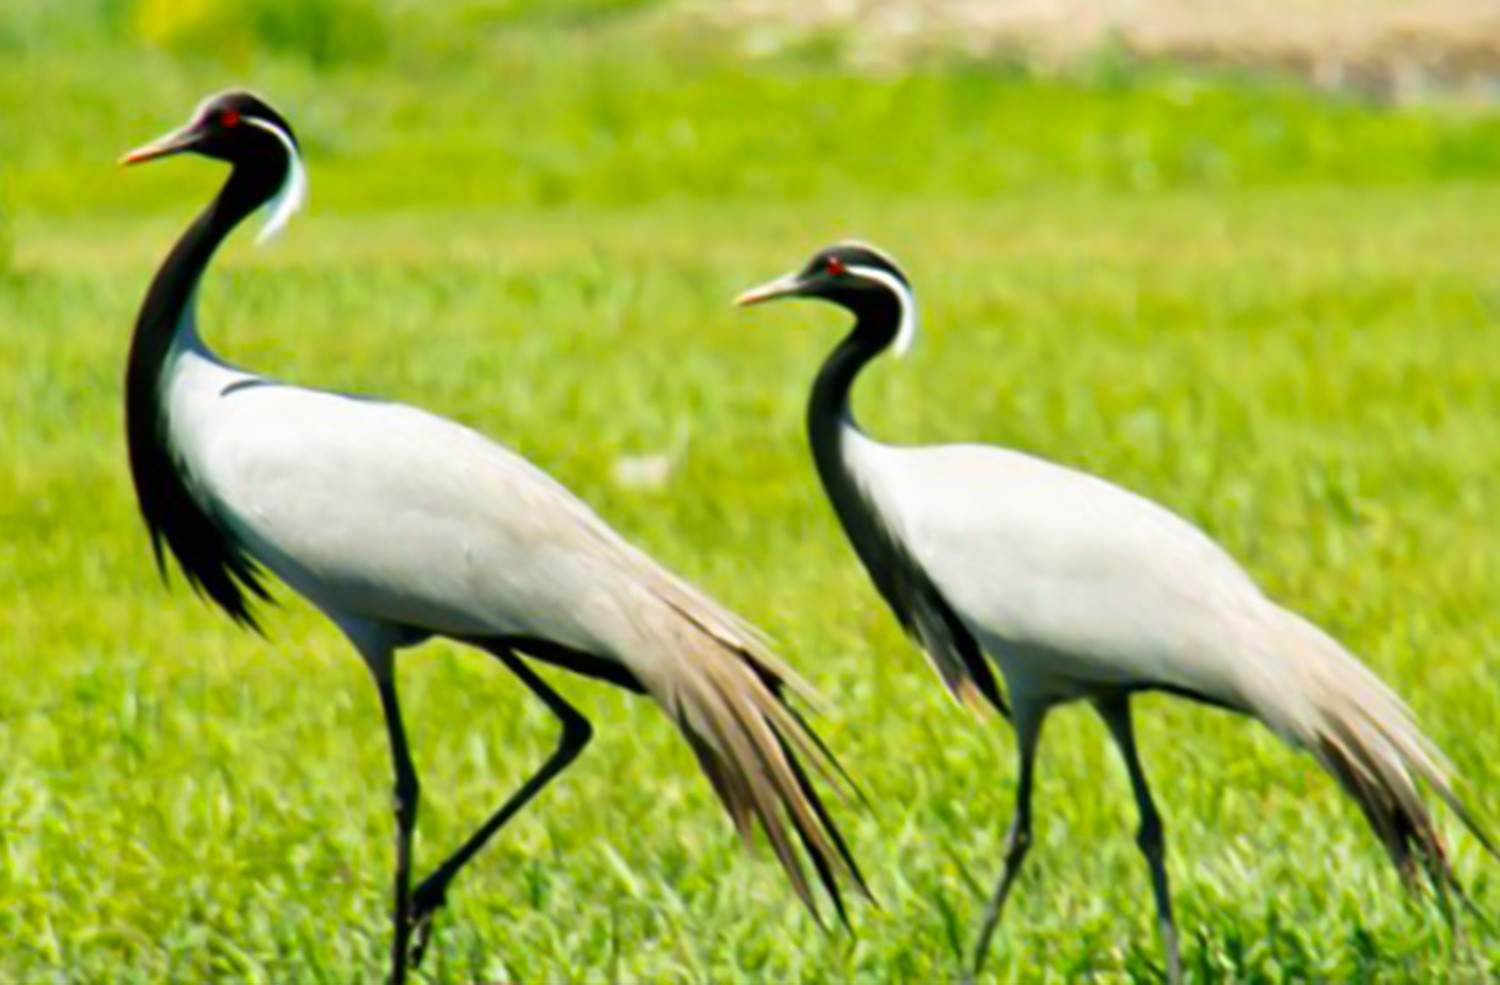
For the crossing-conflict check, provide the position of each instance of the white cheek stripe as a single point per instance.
(293, 191)
(906, 331)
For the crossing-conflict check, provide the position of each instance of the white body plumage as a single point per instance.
(401, 525)
(1078, 589)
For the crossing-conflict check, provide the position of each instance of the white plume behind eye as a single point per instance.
(293, 191)
(906, 330)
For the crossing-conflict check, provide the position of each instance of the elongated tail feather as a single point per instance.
(751, 746)
(1325, 700)
(726, 689)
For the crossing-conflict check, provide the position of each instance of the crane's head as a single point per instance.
(241, 128)
(854, 276)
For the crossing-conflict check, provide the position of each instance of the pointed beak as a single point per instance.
(785, 286)
(172, 143)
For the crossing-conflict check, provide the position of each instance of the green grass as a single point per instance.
(1275, 313)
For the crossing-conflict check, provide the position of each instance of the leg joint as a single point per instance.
(1150, 836)
(408, 795)
(577, 730)
(1018, 841)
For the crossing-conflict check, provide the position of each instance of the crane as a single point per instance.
(1079, 590)
(400, 526)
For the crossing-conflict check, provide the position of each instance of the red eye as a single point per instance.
(835, 267)
(229, 117)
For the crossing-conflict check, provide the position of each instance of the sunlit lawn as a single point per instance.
(1299, 355)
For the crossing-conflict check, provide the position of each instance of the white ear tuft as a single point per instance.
(906, 335)
(293, 192)
(906, 331)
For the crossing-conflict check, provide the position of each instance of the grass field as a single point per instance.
(1274, 312)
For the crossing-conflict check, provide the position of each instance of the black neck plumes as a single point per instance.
(830, 424)
(211, 559)
(828, 413)
(908, 590)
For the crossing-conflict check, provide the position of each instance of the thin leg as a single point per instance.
(1116, 714)
(576, 732)
(1028, 722)
(408, 791)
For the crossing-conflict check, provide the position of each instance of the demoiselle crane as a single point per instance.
(401, 526)
(1078, 589)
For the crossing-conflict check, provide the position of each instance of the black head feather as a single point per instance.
(852, 253)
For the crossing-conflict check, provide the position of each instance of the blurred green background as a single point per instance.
(1269, 303)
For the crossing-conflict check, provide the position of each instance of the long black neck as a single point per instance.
(829, 417)
(210, 559)
(165, 310)
(921, 608)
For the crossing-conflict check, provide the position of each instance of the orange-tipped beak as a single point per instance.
(782, 287)
(173, 143)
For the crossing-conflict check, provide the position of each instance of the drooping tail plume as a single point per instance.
(727, 691)
(752, 745)
(1325, 700)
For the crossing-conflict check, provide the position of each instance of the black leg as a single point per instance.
(1116, 714)
(408, 791)
(576, 732)
(1028, 722)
